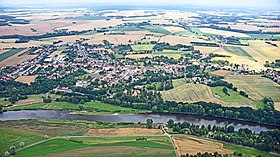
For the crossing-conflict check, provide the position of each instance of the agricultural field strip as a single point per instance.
(67, 137)
(163, 135)
(213, 140)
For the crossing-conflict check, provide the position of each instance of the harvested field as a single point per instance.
(123, 132)
(26, 79)
(238, 59)
(179, 14)
(41, 27)
(277, 106)
(189, 93)
(24, 45)
(91, 24)
(255, 86)
(193, 146)
(16, 59)
(222, 32)
(206, 50)
(174, 40)
(137, 56)
(221, 73)
(52, 15)
(173, 29)
(116, 39)
(265, 51)
(179, 82)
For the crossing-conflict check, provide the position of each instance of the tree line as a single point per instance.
(264, 141)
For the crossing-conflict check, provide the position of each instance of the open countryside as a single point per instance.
(147, 79)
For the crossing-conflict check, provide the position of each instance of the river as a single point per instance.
(157, 118)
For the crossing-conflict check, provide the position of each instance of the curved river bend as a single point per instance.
(157, 118)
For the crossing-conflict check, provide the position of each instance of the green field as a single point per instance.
(32, 131)
(186, 32)
(235, 99)
(126, 28)
(238, 51)
(9, 53)
(169, 52)
(95, 107)
(105, 146)
(142, 47)
(263, 37)
(189, 92)
(255, 86)
(247, 152)
(156, 29)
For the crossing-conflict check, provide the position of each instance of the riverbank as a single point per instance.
(75, 134)
(135, 118)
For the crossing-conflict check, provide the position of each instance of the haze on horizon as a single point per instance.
(265, 4)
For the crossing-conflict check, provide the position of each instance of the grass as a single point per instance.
(186, 32)
(95, 107)
(127, 28)
(156, 29)
(189, 92)
(262, 37)
(165, 52)
(238, 51)
(248, 152)
(31, 131)
(156, 84)
(236, 99)
(50, 147)
(9, 53)
(90, 32)
(142, 47)
(255, 86)
(125, 145)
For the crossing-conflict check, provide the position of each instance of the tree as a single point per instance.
(170, 123)
(80, 107)
(226, 91)
(149, 123)
(1, 108)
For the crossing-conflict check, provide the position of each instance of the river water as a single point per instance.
(157, 118)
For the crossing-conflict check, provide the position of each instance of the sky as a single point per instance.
(218, 3)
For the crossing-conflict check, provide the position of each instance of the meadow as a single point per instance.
(94, 107)
(103, 146)
(142, 47)
(235, 99)
(156, 29)
(248, 152)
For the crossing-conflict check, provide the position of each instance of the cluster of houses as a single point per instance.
(97, 59)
